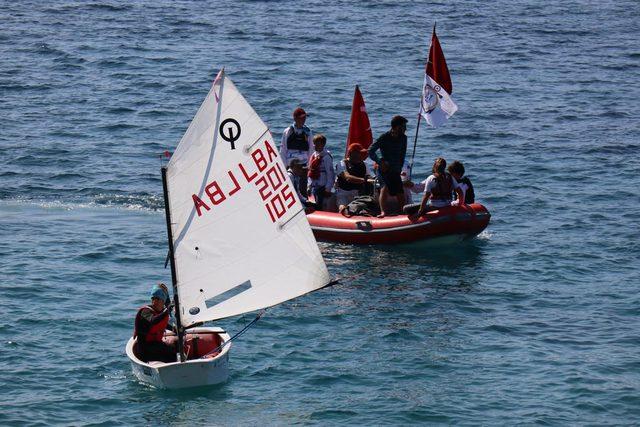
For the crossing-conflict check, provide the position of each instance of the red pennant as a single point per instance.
(167, 153)
(437, 65)
(359, 126)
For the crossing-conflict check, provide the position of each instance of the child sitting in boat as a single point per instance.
(352, 176)
(297, 172)
(150, 324)
(456, 169)
(321, 173)
(439, 187)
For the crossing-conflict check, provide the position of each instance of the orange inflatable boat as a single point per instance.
(453, 222)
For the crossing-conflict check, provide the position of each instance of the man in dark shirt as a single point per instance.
(393, 149)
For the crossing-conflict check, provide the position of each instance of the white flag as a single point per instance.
(436, 105)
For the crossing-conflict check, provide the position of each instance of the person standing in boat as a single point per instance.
(439, 187)
(297, 143)
(456, 169)
(150, 324)
(352, 176)
(321, 173)
(393, 149)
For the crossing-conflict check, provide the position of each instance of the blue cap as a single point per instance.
(158, 292)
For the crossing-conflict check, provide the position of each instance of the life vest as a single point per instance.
(156, 332)
(355, 169)
(469, 195)
(297, 141)
(315, 166)
(443, 188)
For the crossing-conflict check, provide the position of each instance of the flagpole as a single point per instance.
(415, 142)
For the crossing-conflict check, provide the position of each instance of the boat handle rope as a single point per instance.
(242, 331)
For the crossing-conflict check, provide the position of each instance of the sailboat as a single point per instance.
(238, 237)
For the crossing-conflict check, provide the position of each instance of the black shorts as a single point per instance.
(393, 182)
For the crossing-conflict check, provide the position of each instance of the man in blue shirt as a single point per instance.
(393, 149)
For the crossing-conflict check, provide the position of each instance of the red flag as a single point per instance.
(437, 65)
(359, 126)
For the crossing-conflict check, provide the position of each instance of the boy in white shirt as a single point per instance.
(321, 173)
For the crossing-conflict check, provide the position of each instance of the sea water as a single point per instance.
(536, 321)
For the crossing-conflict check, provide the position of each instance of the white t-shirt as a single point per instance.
(416, 188)
(464, 187)
(431, 184)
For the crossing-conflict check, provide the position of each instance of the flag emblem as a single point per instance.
(436, 104)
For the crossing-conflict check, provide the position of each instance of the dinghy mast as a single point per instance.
(167, 214)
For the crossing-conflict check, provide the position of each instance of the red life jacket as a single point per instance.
(156, 332)
(443, 188)
(315, 164)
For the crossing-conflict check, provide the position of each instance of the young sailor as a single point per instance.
(321, 173)
(297, 142)
(456, 169)
(150, 324)
(352, 176)
(439, 187)
(297, 172)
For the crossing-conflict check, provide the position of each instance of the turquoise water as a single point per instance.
(536, 321)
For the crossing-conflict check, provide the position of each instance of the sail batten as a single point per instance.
(230, 195)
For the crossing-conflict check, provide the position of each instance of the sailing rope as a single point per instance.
(242, 331)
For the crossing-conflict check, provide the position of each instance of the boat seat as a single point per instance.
(201, 344)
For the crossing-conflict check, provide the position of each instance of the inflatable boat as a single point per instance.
(455, 223)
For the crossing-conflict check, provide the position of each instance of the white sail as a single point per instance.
(241, 239)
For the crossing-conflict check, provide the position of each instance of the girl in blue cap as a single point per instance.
(150, 324)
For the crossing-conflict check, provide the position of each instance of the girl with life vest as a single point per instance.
(321, 173)
(150, 324)
(439, 188)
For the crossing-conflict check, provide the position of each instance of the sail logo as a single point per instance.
(268, 177)
(233, 131)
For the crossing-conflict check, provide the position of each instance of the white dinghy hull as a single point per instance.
(191, 373)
